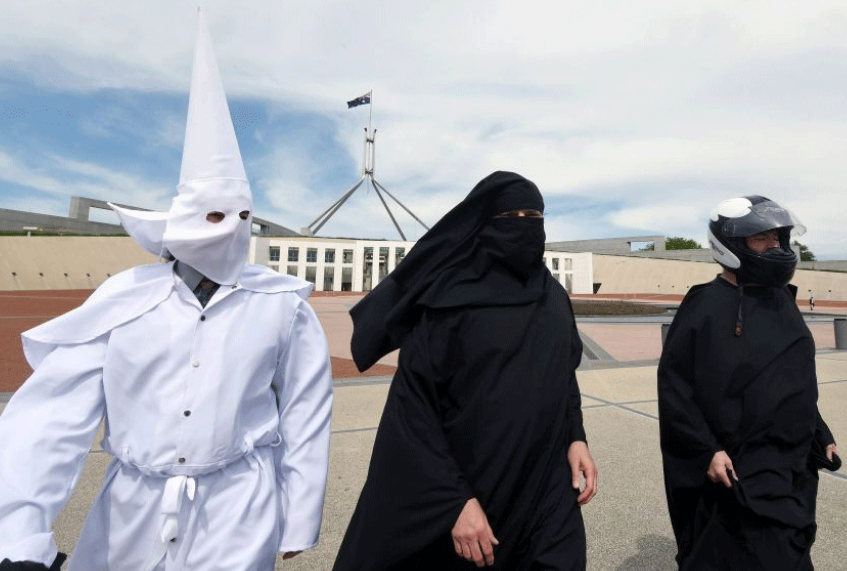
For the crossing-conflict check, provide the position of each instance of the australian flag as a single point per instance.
(363, 100)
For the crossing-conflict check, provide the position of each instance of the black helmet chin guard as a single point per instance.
(734, 220)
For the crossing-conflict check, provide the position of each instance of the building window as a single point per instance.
(293, 254)
(311, 273)
(568, 264)
(569, 282)
(383, 263)
(329, 275)
(273, 253)
(311, 255)
(399, 254)
(556, 277)
(555, 263)
(329, 256)
(347, 257)
(346, 279)
(292, 271)
(367, 270)
(544, 261)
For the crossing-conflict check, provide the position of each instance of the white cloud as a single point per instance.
(68, 177)
(641, 105)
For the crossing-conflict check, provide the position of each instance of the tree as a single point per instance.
(806, 255)
(679, 243)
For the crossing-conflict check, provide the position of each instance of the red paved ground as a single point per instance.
(22, 310)
(670, 298)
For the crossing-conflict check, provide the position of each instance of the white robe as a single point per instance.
(217, 418)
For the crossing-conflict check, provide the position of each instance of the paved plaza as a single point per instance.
(627, 523)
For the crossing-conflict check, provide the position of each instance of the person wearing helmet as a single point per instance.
(741, 435)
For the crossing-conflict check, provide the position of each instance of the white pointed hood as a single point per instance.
(212, 179)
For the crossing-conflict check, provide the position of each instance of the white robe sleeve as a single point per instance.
(46, 431)
(303, 383)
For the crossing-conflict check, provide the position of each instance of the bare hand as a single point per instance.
(831, 449)
(472, 536)
(581, 464)
(291, 554)
(720, 469)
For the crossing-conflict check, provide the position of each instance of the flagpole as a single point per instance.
(370, 109)
(368, 164)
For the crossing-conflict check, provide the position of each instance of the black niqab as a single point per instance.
(484, 403)
(468, 258)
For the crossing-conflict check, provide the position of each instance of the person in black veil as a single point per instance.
(480, 453)
(741, 435)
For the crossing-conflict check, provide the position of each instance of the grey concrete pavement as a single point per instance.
(627, 524)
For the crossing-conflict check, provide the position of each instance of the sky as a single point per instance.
(633, 117)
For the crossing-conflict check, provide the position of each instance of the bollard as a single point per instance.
(840, 324)
(665, 328)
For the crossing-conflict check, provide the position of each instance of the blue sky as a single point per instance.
(633, 118)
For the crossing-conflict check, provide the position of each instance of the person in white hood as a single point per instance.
(212, 378)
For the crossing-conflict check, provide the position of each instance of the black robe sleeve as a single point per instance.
(686, 437)
(687, 442)
(576, 428)
(423, 368)
(415, 490)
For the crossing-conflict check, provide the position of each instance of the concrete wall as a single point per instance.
(16, 220)
(573, 270)
(65, 262)
(618, 246)
(826, 265)
(699, 255)
(627, 274)
(705, 255)
(84, 262)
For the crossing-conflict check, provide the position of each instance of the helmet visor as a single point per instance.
(763, 216)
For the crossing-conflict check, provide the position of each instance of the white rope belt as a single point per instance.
(176, 488)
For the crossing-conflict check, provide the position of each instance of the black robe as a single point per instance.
(484, 404)
(753, 395)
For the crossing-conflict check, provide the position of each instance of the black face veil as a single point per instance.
(469, 258)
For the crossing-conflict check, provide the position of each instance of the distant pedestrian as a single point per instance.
(812, 302)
